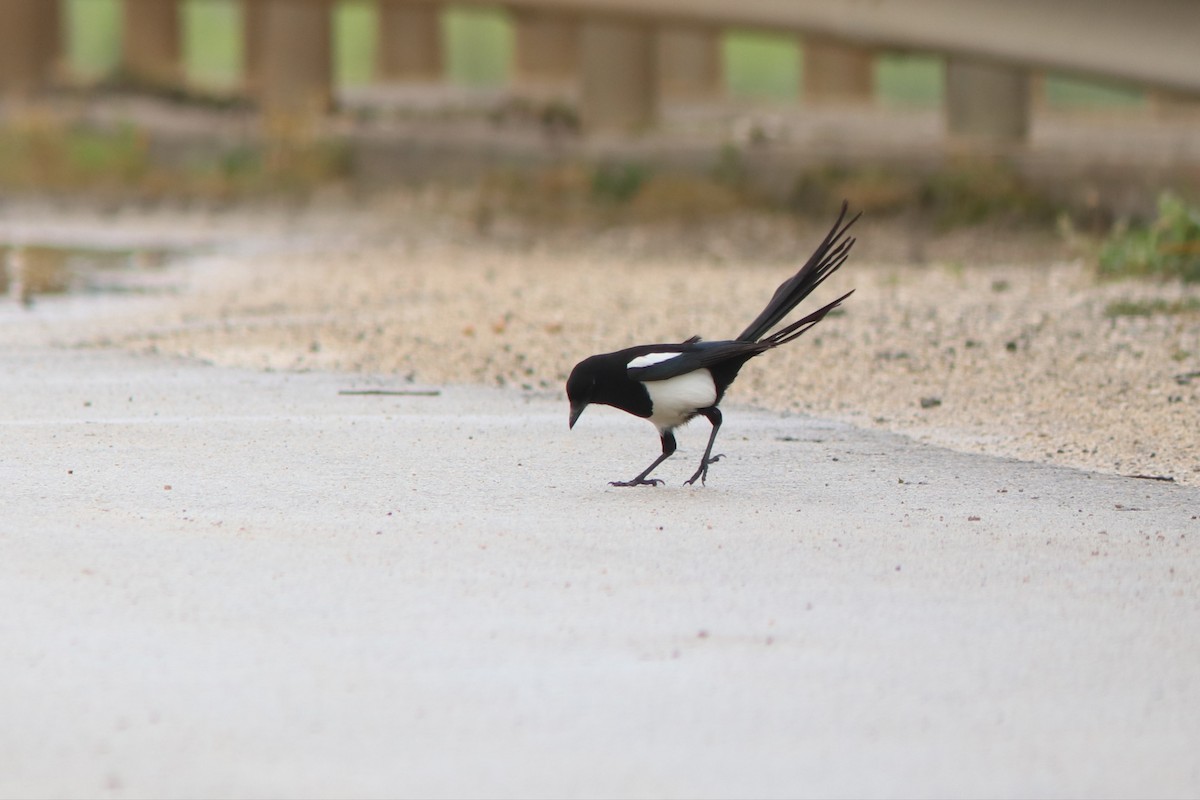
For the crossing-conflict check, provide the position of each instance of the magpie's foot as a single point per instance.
(637, 482)
(702, 473)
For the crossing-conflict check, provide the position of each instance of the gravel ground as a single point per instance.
(995, 343)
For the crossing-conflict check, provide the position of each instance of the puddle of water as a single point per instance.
(31, 270)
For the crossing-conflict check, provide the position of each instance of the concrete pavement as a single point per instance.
(237, 584)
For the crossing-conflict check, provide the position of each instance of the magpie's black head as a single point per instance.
(581, 387)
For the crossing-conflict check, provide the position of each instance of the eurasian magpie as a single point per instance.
(669, 384)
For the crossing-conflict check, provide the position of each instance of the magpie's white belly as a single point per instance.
(675, 400)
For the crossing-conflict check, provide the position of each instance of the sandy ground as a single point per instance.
(1014, 356)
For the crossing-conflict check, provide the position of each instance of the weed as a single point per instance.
(608, 194)
(1167, 248)
(729, 167)
(964, 193)
(42, 153)
(974, 191)
(1148, 308)
(876, 191)
(618, 183)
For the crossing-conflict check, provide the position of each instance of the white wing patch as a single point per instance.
(675, 400)
(651, 358)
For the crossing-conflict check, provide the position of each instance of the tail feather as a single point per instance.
(796, 329)
(829, 255)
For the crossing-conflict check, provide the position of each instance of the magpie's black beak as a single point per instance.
(576, 410)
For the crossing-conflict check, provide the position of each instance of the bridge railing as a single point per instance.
(623, 58)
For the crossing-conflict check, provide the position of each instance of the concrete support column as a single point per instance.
(1167, 104)
(30, 43)
(619, 84)
(1039, 95)
(150, 49)
(546, 52)
(254, 14)
(296, 56)
(689, 63)
(987, 102)
(837, 71)
(409, 41)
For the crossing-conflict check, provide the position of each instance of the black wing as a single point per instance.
(692, 356)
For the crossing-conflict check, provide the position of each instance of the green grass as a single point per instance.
(479, 45)
(1149, 308)
(93, 36)
(961, 193)
(1168, 247)
(1071, 93)
(212, 48)
(909, 80)
(41, 154)
(618, 183)
(761, 65)
(354, 43)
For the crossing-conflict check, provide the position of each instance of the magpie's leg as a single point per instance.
(713, 415)
(668, 446)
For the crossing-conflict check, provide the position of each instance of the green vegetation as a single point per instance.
(1148, 308)
(41, 154)
(610, 192)
(961, 194)
(761, 65)
(966, 192)
(93, 36)
(1169, 247)
(212, 56)
(354, 43)
(1067, 93)
(972, 191)
(876, 190)
(618, 183)
(479, 45)
(45, 155)
(909, 80)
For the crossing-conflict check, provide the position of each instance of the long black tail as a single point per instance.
(796, 329)
(830, 255)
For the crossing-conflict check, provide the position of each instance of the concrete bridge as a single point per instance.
(623, 58)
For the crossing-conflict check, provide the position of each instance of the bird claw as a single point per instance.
(702, 473)
(637, 482)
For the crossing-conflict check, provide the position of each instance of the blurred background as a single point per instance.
(1077, 116)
